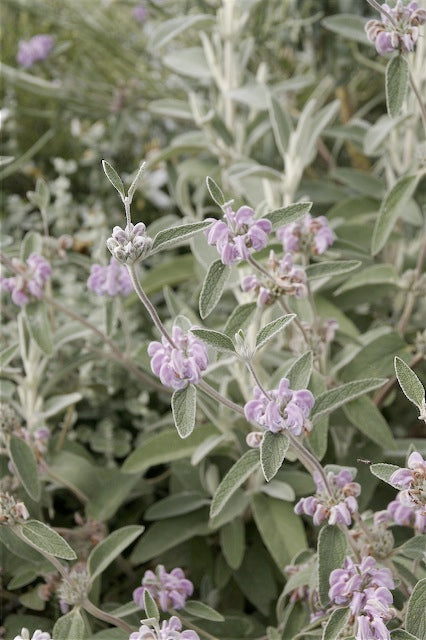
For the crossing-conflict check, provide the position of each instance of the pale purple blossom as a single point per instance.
(170, 630)
(401, 32)
(285, 279)
(37, 635)
(181, 363)
(310, 235)
(140, 12)
(281, 409)
(238, 234)
(336, 508)
(28, 283)
(130, 244)
(34, 50)
(403, 511)
(169, 590)
(110, 280)
(415, 474)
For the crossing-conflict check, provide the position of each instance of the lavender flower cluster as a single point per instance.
(285, 279)
(34, 50)
(180, 362)
(169, 630)
(280, 409)
(110, 280)
(130, 244)
(308, 235)
(366, 589)
(397, 29)
(336, 504)
(30, 280)
(169, 590)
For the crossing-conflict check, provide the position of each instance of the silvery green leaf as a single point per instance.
(214, 283)
(43, 193)
(201, 610)
(232, 542)
(336, 623)
(150, 606)
(184, 404)
(114, 178)
(280, 490)
(235, 477)
(330, 269)
(167, 30)
(285, 215)
(402, 634)
(415, 621)
(176, 505)
(46, 539)
(330, 400)
(376, 274)
(108, 549)
(71, 625)
(409, 382)
(300, 371)
(176, 235)
(135, 181)
(215, 192)
(272, 453)
(270, 330)
(396, 84)
(189, 62)
(414, 547)
(366, 417)
(384, 471)
(391, 209)
(281, 125)
(39, 326)
(25, 465)
(215, 339)
(32, 243)
(8, 353)
(347, 25)
(239, 318)
(332, 547)
(56, 404)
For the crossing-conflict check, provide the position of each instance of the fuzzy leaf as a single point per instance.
(272, 329)
(285, 215)
(32, 243)
(25, 463)
(114, 178)
(176, 505)
(201, 610)
(150, 606)
(366, 417)
(136, 179)
(39, 326)
(56, 404)
(239, 318)
(281, 125)
(330, 269)
(184, 404)
(108, 549)
(331, 554)
(336, 623)
(347, 25)
(214, 283)
(235, 477)
(300, 371)
(215, 192)
(330, 400)
(215, 339)
(8, 353)
(232, 542)
(409, 382)
(415, 621)
(70, 626)
(43, 193)
(46, 539)
(273, 448)
(396, 84)
(384, 471)
(176, 235)
(374, 275)
(401, 634)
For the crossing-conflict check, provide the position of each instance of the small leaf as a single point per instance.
(32, 243)
(114, 178)
(330, 400)
(176, 505)
(135, 181)
(414, 547)
(184, 404)
(415, 621)
(273, 448)
(374, 275)
(56, 404)
(239, 318)
(201, 610)
(300, 371)
(409, 382)
(8, 353)
(43, 193)
(215, 339)
(235, 477)
(331, 554)
(401, 634)
(70, 626)
(272, 329)
(215, 192)
(176, 235)
(46, 539)
(396, 84)
(214, 283)
(232, 542)
(150, 606)
(280, 217)
(281, 125)
(336, 623)
(39, 326)
(108, 549)
(384, 471)
(25, 464)
(330, 269)
(347, 25)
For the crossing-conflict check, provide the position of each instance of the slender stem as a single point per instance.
(106, 617)
(309, 460)
(299, 325)
(351, 543)
(380, 9)
(127, 203)
(193, 626)
(418, 95)
(254, 263)
(411, 297)
(256, 378)
(216, 395)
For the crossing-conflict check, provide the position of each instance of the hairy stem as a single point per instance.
(106, 617)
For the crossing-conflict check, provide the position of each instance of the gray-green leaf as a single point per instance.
(215, 339)
(239, 318)
(300, 371)
(70, 626)
(334, 398)
(39, 326)
(396, 84)
(114, 178)
(281, 125)
(330, 269)
(176, 235)
(215, 191)
(331, 554)
(384, 471)
(107, 550)
(201, 610)
(273, 448)
(150, 606)
(25, 464)
(214, 283)
(336, 623)
(184, 404)
(285, 215)
(415, 621)
(272, 329)
(235, 477)
(232, 542)
(46, 539)
(409, 382)
(366, 417)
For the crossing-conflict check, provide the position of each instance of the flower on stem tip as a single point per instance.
(285, 279)
(399, 34)
(110, 280)
(130, 244)
(238, 234)
(169, 590)
(37, 635)
(310, 235)
(34, 50)
(27, 285)
(170, 630)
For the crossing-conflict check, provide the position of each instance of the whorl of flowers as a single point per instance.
(336, 508)
(11, 512)
(310, 235)
(280, 409)
(412, 479)
(74, 590)
(37, 635)
(397, 29)
(34, 50)
(27, 285)
(285, 279)
(169, 590)
(130, 244)
(366, 589)
(178, 365)
(170, 630)
(403, 511)
(110, 280)
(238, 234)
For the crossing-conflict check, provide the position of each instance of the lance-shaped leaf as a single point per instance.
(366, 417)
(285, 215)
(8, 353)
(273, 448)
(25, 465)
(114, 178)
(235, 477)
(70, 626)
(150, 606)
(46, 539)
(232, 542)
(215, 191)
(336, 624)
(281, 125)
(176, 505)
(32, 243)
(56, 404)
(272, 329)
(415, 621)
(409, 382)
(396, 84)
(201, 610)
(176, 235)
(107, 550)
(384, 471)
(39, 326)
(239, 318)
(184, 404)
(300, 371)
(214, 283)
(331, 554)
(402, 634)
(135, 181)
(334, 398)
(329, 269)
(215, 339)
(375, 275)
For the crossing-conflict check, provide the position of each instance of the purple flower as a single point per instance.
(400, 33)
(34, 50)
(130, 244)
(111, 280)
(237, 234)
(169, 590)
(281, 409)
(405, 511)
(178, 365)
(371, 628)
(29, 282)
(170, 630)
(338, 507)
(310, 235)
(140, 13)
(285, 279)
